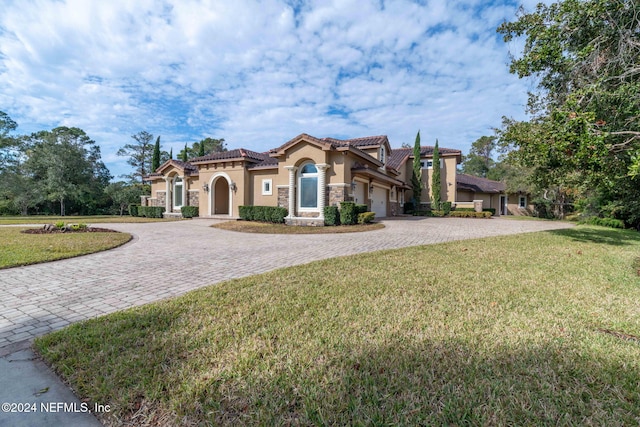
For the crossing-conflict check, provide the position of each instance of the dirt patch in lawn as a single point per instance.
(55, 230)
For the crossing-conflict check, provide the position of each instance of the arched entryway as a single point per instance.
(220, 195)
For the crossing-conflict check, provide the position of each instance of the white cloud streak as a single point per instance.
(257, 73)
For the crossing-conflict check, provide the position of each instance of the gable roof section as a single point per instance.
(325, 145)
(187, 167)
(477, 184)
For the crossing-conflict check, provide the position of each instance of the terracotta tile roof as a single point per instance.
(426, 151)
(268, 163)
(366, 141)
(186, 166)
(238, 153)
(398, 156)
(478, 184)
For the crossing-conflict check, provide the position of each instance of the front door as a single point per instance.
(220, 197)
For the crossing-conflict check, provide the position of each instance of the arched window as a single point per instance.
(308, 187)
(177, 192)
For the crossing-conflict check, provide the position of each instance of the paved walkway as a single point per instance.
(169, 259)
(162, 261)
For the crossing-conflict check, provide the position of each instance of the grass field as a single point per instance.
(532, 329)
(17, 248)
(95, 219)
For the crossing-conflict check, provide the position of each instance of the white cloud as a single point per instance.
(257, 73)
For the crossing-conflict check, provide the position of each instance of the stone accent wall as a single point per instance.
(308, 214)
(160, 198)
(305, 222)
(194, 198)
(283, 197)
(337, 195)
(394, 208)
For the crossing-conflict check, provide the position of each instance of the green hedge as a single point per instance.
(348, 213)
(133, 210)
(190, 211)
(331, 215)
(604, 222)
(151, 211)
(469, 214)
(422, 213)
(491, 210)
(273, 214)
(366, 217)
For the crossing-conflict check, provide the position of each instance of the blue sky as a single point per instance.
(258, 73)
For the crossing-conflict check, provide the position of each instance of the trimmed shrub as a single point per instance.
(366, 217)
(278, 214)
(469, 214)
(151, 211)
(348, 215)
(492, 210)
(273, 214)
(246, 213)
(331, 215)
(133, 210)
(438, 213)
(446, 207)
(360, 208)
(422, 213)
(190, 211)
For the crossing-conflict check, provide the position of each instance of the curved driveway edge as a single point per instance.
(171, 258)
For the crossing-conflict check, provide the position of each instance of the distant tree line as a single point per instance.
(60, 171)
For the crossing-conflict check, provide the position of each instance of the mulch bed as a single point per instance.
(66, 230)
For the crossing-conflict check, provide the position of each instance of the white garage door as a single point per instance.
(379, 202)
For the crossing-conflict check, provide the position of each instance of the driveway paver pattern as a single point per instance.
(169, 259)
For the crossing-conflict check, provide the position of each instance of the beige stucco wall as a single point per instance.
(256, 196)
(513, 206)
(447, 179)
(229, 171)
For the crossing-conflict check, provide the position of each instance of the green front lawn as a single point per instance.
(533, 329)
(94, 219)
(18, 248)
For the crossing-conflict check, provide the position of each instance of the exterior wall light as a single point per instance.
(205, 187)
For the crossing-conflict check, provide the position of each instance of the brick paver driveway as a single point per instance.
(169, 259)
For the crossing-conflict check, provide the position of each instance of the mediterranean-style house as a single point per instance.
(304, 175)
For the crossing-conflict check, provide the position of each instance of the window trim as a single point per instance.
(301, 176)
(267, 183)
(428, 164)
(177, 184)
(522, 202)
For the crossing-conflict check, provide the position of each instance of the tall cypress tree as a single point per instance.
(435, 178)
(416, 176)
(171, 154)
(201, 149)
(184, 156)
(155, 164)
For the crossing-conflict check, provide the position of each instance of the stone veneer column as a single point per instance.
(167, 195)
(292, 190)
(322, 185)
